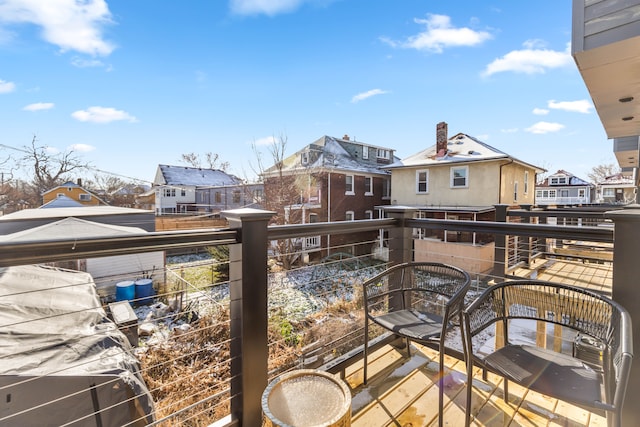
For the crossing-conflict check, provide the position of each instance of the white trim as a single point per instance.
(425, 182)
(452, 177)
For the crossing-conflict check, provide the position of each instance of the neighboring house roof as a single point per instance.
(131, 190)
(618, 179)
(61, 201)
(329, 153)
(573, 181)
(183, 175)
(71, 184)
(83, 211)
(461, 148)
(70, 228)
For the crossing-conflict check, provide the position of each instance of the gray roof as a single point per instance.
(70, 228)
(329, 153)
(183, 175)
(83, 211)
(62, 201)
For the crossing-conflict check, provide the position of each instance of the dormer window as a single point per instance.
(304, 158)
(381, 153)
(365, 152)
(558, 180)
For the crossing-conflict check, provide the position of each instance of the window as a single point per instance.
(515, 191)
(381, 153)
(218, 197)
(609, 192)
(313, 218)
(581, 193)
(422, 182)
(558, 180)
(564, 193)
(85, 197)
(459, 176)
(552, 194)
(348, 216)
(386, 188)
(183, 192)
(368, 214)
(169, 192)
(526, 182)
(538, 193)
(257, 195)
(368, 185)
(236, 196)
(365, 152)
(304, 158)
(348, 184)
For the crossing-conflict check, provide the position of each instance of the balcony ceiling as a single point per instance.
(611, 73)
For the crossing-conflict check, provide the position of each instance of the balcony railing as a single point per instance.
(251, 321)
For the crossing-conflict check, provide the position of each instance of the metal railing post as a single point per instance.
(400, 238)
(500, 251)
(626, 271)
(248, 313)
(526, 243)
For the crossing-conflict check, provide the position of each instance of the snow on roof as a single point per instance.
(572, 180)
(61, 201)
(330, 155)
(617, 179)
(83, 211)
(461, 148)
(70, 228)
(183, 175)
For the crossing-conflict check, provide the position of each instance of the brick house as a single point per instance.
(331, 179)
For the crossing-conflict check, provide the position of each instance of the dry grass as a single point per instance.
(191, 367)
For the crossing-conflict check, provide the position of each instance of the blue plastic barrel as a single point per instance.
(144, 291)
(125, 290)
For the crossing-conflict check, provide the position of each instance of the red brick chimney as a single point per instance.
(441, 139)
(345, 137)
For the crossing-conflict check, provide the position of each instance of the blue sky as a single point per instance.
(133, 84)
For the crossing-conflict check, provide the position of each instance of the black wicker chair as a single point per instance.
(419, 301)
(594, 383)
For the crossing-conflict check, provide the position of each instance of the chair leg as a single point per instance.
(408, 343)
(366, 350)
(441, 387)
(467, 410)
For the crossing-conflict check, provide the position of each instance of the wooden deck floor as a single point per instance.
(401, 392)
(589, 275)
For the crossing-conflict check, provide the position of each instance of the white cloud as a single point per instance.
(530, 60)
(102, 115)
(544, 127)
(86, 63)
(84, 148)
(540, 111)
(38, 106)
(69, 24)
(581, 106)
(266, 7)
(368, 94)
(6, 87)
(440, 34)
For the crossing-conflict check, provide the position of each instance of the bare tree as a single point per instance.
(600, 172)
(208, 161)
(282, 194)
(50, 169)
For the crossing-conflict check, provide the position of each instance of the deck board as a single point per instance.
(406, 395)
(593, 276)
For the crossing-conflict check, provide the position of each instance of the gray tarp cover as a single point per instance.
(61, 359)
